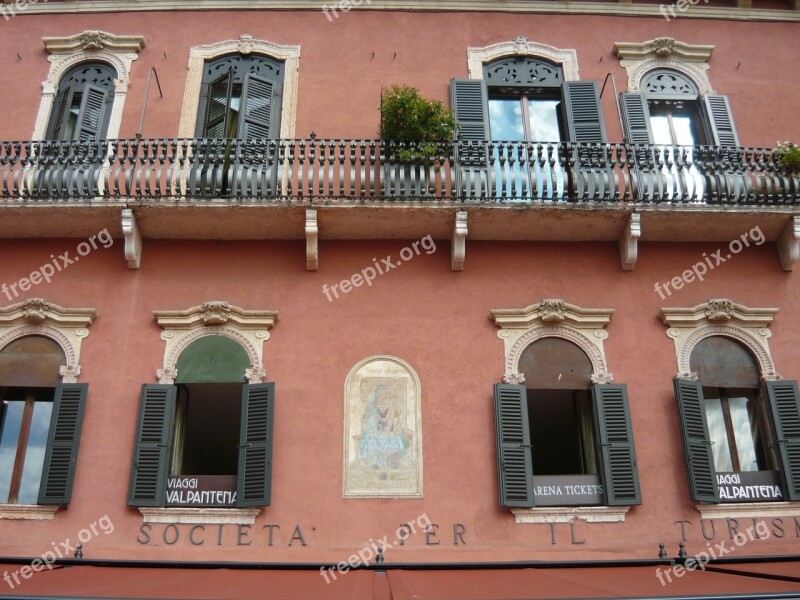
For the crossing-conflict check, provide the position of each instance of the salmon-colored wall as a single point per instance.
(345, 62)
(438, 321)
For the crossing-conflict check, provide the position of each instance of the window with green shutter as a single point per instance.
(82, 106)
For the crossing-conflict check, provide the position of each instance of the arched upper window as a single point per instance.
(82, 107)
(240, 97)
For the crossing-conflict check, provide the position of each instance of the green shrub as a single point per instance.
(787, 155)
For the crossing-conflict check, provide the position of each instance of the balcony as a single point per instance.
(262, 189)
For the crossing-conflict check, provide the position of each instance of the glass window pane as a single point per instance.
(743, 433)
(34, 456)
(543, 116)
(716, 431)
(9, 434)
(661, 132)
(683, 131)
(505, 119)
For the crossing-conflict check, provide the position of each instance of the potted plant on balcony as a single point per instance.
(415, 131)
(787, 156)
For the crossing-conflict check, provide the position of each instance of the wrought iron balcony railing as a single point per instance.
(340, 171)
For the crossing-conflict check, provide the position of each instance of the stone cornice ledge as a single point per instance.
(93, 39)
(515, 6)
(587, 514)
(216, 312)
(747, 510)
(552, 310)
(205, 516)
(663, 47)
(30, 512)
(718, 310)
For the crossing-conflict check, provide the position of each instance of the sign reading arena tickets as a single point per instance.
(201, 490)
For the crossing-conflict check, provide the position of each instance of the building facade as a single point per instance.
(248, 350)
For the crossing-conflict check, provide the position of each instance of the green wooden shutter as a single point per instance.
(213, 121)
(784, 405)
(60, 113)
(93, 116)
(583, 111)
(257, 114)
(696, 443)
(636, 117)
(620, 474)
(153, 441)
(514, 461)
(468, 99)
(254, 482)
(63, 439)
(720, 120)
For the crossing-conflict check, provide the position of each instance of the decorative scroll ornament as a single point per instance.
(520, 44)
(34, 310)
(93, 40)
(216, 312)
(719, 309)
(514, 378)
(246, 44)
(664, 46)
(552, 309)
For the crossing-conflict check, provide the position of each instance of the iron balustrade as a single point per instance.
(338, 170)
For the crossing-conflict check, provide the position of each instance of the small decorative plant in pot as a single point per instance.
(787, 156)
(414, 127)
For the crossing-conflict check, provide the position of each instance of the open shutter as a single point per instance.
(784, 409)
(636, 117)
(620, 474)
(514, 461)
(59, 113)
(216, 107)
(720, 120)
(152, 452)
(469, 102)
(257, 112)
(254, 482)
(696, 443)
(63, 439)
(583, 112)
(93, 114)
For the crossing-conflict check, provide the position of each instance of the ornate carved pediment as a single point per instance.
(34, 310)
(663, 47)
(719, 309)
(93, 39)
(216, 312)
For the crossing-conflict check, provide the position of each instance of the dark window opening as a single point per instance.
(24, 425)
(562, 429)
(676, 122)
(207, 429)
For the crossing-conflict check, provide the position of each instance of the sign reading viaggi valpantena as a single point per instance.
(201, 490)
(750, 486)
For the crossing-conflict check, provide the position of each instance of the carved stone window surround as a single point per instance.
(66, 326)
(91, 45)
(250, 328)
(520, 46)
(691, 60)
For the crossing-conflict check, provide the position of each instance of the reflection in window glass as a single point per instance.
(9, 434)
(543, 119)
(505, 120)
(743, 434)
(34, 456)
(718, 435)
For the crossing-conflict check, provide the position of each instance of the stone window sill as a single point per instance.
(206, 516)
(587, 514)
(32, 512)
(743, 510)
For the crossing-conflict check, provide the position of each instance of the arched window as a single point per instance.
(82, 107)
(240, 97)
(36, 465)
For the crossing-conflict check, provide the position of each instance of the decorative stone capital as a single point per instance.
(70, 373)
(514, 378)
(255, 375)
(690, 375)
(602, 378)
(166, 376)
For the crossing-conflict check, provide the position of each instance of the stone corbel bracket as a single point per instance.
(789, 244)
(720, 317)
(553, 317)
(312, 240)
(629, 242)
(250, 328)
(133, 239)
(38, 316)
(459, 245)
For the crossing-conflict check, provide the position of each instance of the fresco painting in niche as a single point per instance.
(382, 433)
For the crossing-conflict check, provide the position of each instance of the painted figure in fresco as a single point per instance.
(384, 438)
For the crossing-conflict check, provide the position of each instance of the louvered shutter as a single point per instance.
(63, 439)
(514, 461)
(696, 443)
(636, 117)
(583, 111)
(60, 113)
(468, 99)
(258, 111)
(254, 482)
(720, 120)
(153, 440)
(92, 118)
(216, 99)
(784, 408)
(620, 474)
